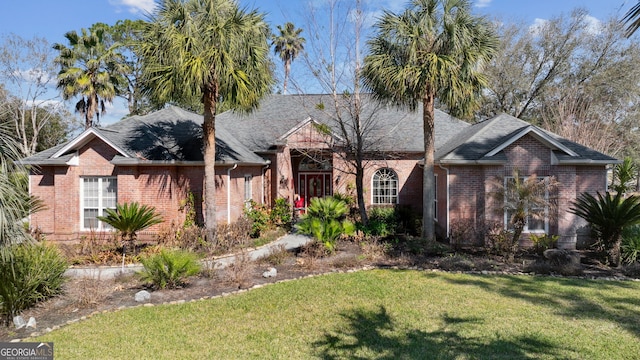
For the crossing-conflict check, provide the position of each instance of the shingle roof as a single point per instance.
(482, 142)
(388, 128)
(168, 135)
(175, 135)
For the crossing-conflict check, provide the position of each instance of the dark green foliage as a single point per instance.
(325, 221)
(608, 215)
(281, 214)
(259, 216)
(383, 221)
(33, 273)
(169, 268)
(631, 244)
(129, 218)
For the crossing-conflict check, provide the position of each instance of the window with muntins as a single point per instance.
(98, 194)
(384, 187)
(537, 218)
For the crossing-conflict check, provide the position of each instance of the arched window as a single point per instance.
(384, 187)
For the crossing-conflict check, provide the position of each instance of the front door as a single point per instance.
(314, 185)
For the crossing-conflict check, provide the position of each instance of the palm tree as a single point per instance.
(435, 48)
(288, 45)
(15, 202)
(213, 51)
(523, 199)
(90, 69)
(632, 19)
(608, 216)
(128, 219)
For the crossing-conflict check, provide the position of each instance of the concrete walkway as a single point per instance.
(289, 241)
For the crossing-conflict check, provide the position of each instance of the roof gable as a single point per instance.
(484, 142)
(84, 138)
(167, 136)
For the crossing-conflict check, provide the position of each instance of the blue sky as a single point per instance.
(51, 19)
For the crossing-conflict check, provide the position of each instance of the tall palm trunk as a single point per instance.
(428, 196)
(287, 70)
(209, 140)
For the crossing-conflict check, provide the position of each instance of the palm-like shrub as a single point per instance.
(128, 219)
(631, 244)
(517, 197)
(33, 273)
(325, 221)
(608, 216)
(623, 175)
(169, 268)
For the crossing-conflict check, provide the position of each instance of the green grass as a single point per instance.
(380, 314)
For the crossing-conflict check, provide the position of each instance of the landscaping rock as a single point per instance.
(142, 296)
(32, 323)
(272, 272)
(19, 322)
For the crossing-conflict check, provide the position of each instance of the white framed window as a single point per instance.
(384, 187)
(248, 192)
(96, 195)
(537, 216)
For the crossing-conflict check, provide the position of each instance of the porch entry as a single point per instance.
(314, 185)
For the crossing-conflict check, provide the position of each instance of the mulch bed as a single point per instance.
(83, 298)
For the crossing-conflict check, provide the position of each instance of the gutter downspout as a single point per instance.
(264, 169)
(229, 192)
(448, 210)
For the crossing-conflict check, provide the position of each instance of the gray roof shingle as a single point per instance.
(387, 128)
(167, 135)
(175, 135)
(476, 142)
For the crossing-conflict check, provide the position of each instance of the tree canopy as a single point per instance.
(435, 48)
(211, 50)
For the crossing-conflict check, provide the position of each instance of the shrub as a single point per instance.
(33, 273)
(499, 241)
(543, 242)
(608, 215)
(128, 219)
(169, 268)
(631, 244)
(277, 255)
(239, 273)
(281, 214)
(259, 216)
(383, 221)
(325, 221)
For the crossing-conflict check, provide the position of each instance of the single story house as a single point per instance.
(291, 145)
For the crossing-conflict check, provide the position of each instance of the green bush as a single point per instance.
(383, 221)
(33, 273)
(631, 244)
(169, 268)
(281, 214)
(259, 216)
(325, 221)
(608, 216)
(543, 242)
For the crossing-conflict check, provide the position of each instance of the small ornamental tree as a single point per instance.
(522, 200)
(128, 219)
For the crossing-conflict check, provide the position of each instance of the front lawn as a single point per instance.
(379, 314)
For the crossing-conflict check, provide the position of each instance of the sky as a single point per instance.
(52, 19)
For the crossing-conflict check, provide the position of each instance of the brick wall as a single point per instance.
(470, 184)
(164, 187)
